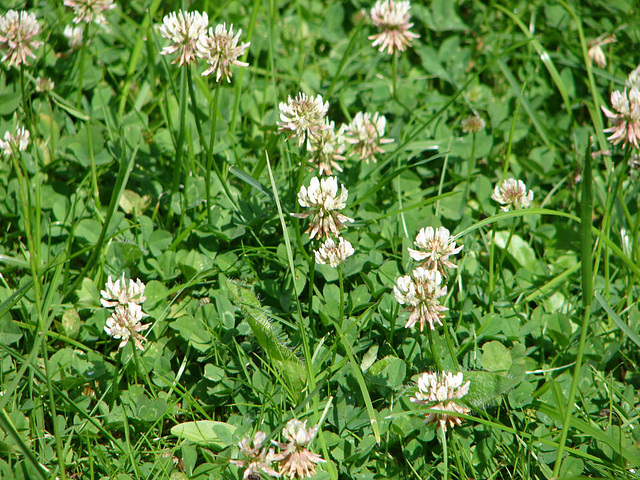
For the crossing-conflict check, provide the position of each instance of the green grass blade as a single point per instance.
(633, 336)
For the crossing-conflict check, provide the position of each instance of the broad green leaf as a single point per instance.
(495, 357)
(216, 435)
(518, 249)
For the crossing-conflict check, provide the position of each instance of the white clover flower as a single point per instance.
(626, 119)
(303, 117)
(296, 460)
(434, 248)
(334, 254)
(90, 11)
(633, 80)
(472, 124)
(366, 133)
(124, 323)
(393, 19)
(323, 202)
(512, 193)
(326, 148)
(441, 392)
(595, 52)
(121, 293)
(12, 144)
(188, 34)
(420, 291)
(256, 458)
(44, 84)
(74, 36)
(17, 30)
(222, 51)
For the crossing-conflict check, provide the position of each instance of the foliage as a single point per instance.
(138, 166)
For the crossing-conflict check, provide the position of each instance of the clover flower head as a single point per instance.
(512, 193)
(323, 201)
(74, 36)
(472, 124)
(303, 117)
(124, 323)
(434, 247)
(626, 115)
(12, 144)
(334, 254)
(257, 458)
(441, 392)
(17, 32)
(44, 84)
(633, 80)
(392, 18)
(595, 52)
(296, 460)
(90, 11)
(222, 50)
(327, 148)
(420, 291)
(187, 32)
(366, 133)
(122, 292)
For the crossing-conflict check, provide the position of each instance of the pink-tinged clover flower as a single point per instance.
(434, 247)
(512, 193)
(332, 254)
(392, 18)
(303, 117)
(187, 32)
(12, 144)
(366, 133)
(122, 292)
(90, 11)
(327, 148)
(296, 459)
(17, 32)
(420, 291)
(257, 458)
(625, 116)
(323, 201)
(221, 50)
(124, 323)
(442, 392)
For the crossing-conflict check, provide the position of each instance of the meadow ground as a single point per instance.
(353, 240)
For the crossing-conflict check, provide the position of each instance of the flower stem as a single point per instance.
(207, 172)
(177, 163)
(394, 75)
(83, 49)
(341, 284)
(472, 164)
(436, 358)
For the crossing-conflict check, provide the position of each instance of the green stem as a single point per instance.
(436, 358)
(207, 172)
(472, 164)
(177, 164)
(442, 436)
(83, 49)
(394, 75)
(341, 284)
(52, 405)
(26, 101)
(586, 210)
(492, 280)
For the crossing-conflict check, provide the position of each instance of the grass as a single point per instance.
(138, 166)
